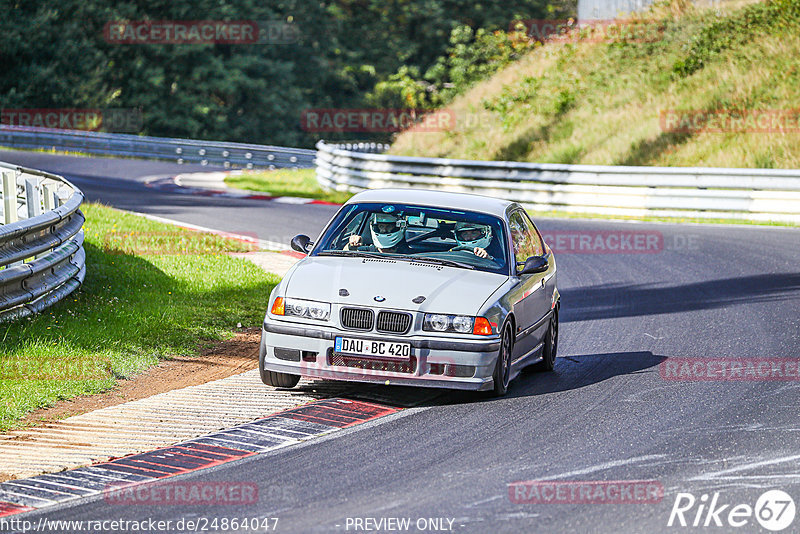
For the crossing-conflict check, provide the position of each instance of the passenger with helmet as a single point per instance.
(474, 237)
(388, 235)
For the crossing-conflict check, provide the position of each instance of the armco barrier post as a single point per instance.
(9, 197)
(50, 198)
(33, 200)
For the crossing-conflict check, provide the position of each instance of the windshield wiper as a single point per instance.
(402, 257)
(440, 261)
(351, 254)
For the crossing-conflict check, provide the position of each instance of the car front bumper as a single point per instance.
(440, 362)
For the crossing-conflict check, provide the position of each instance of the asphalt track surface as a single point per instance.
(605, 413)
(121, 183)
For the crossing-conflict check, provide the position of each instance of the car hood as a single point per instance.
(446, 289)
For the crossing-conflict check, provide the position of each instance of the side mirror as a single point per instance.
(300, 243)
(533, 265)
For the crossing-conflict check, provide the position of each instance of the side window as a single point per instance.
(351, 228)
(525, 239)
(539, 243)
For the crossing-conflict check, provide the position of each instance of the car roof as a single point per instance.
(439, 199)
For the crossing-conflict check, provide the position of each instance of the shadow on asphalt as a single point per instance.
(572, 372)
(619, 300)
(399, 396)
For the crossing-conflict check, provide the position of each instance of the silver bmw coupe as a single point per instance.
(421, 288)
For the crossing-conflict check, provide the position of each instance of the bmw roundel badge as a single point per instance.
(379, 298)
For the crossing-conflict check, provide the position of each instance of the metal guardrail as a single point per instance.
(589, 10)
(41, 241)
(747, 194)
(227, 155)
(609, 9)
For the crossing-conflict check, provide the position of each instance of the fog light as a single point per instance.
(289, 355)
(460, 371)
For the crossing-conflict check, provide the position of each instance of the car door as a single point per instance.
(550, 275)
(529, 299)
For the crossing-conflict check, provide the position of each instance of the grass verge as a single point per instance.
(651, 218)
(608, 101)
(152, 291)
(287, 182)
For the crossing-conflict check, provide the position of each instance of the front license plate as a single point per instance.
(366, 347)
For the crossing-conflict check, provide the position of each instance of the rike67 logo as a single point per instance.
(774, 510)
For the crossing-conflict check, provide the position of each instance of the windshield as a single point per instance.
(449, 237)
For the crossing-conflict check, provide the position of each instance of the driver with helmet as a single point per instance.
(388, 235)
(474, 237)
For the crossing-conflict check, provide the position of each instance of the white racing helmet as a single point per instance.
(387, 230)
(473, 235)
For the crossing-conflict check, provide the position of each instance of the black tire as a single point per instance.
(272, 378)
(279, 380)
(502, 369)
(550, 344)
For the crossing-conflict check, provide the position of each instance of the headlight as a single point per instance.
(437, 323)
(319, 311)
(462, 324)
